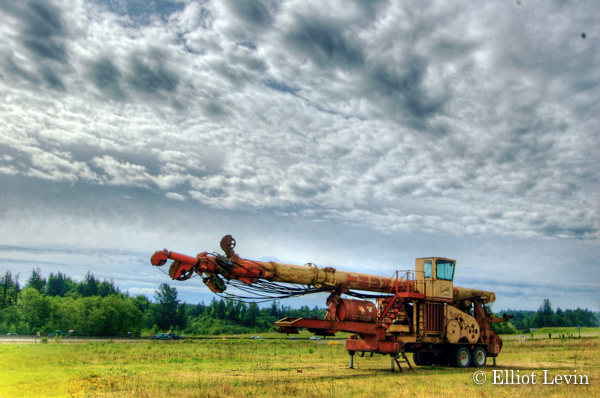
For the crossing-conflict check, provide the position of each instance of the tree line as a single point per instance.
(99, 308)
(59, 303)
(546, 317)
(236, 317)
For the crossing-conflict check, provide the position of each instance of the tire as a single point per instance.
(422, 358)
(462, 357)
(417, 358)
(479, 357)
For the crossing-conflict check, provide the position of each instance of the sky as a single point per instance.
(354, 134)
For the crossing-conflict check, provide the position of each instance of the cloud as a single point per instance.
(43, 31)
(38, 34)
(105, 75)
(151, 76)
(255, 14)
(513, 150)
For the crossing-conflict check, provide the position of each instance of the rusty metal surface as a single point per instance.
(356, 311)
(227, 245)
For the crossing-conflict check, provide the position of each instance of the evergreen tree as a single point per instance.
(36, 281)
(106, 288)
(181, 319)
(274, 310)
(89, 286)
(218, 309)
(58, 285)
(252, 315)
(544, 315)
(559, 318)
(166, 309)
(242, 311)
(9, 290)
(197, 310)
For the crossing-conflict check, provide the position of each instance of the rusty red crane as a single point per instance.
(419, 311)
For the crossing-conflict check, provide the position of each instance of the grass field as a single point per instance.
(279, 368)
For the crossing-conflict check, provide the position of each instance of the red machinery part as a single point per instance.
(356, 311)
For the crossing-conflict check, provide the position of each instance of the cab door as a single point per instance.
(444, 276)
(435, 276)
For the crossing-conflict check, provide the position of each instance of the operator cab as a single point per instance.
(434, 276)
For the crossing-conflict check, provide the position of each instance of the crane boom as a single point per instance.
(250, 271)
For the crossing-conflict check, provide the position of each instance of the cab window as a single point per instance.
(427, 269)
(445, 269)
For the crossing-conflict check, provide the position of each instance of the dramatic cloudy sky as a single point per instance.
(354, 134)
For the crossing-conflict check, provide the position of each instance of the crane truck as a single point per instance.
(418, 311)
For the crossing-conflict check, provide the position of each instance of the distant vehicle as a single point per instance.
(166, 336)
(255, 337)
(57, 333)
(77, 333)
(11, 334)
(315, 338)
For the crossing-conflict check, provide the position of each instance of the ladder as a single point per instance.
(398, 361)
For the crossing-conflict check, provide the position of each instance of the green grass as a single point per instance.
(272, 368)
(565, 330)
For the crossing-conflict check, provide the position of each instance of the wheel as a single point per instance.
(422, 358)
(417, 358)
(479, 357)
(462, 358)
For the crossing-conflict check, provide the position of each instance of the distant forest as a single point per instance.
(99, 308)
(546, 317)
